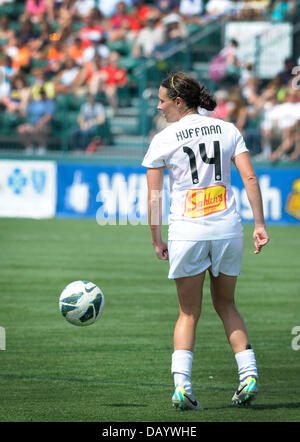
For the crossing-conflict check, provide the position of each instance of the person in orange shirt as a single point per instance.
(56, 54)
(76, 51)
(22, 57)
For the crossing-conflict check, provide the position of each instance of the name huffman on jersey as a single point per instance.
(197, 131)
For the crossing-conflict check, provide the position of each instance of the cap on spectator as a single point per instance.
(171, 18)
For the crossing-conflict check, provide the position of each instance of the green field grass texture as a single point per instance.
(118, 369)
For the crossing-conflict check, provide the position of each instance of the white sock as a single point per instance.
(182, 361)
(246, 364)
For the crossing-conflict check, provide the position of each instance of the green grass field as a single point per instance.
(118, 370)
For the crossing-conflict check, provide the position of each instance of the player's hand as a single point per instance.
(161, 251)
(260, 238)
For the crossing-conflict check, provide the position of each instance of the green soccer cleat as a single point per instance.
(185, 401)
(246, 392)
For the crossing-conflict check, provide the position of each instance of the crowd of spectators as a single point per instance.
(75, 48)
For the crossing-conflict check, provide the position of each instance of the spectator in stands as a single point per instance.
(223, 108)
(98, 47)
(76, 51)
(219, 7)
(35, 10)
(167, 6)
(287, 118)
(140, 12)
(148, 38)
(65, 80)
(38, 126)
(123, 26)
(55, 53)
(286, 75)
(20, 54)
(282, 9)
(83, 8)
(41, 43)
(233, 65)
(174, 32)
(91, 116)
(90, 30)
(17, 100)
(62, 11)
(6, 33)
(190, 8)
(41, 83)
(109, 79)
(108, 8)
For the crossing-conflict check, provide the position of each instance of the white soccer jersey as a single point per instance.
(197, 152)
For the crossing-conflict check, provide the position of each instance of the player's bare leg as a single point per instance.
(222, 292)
(189, 291)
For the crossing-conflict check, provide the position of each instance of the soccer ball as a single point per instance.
(81, 303)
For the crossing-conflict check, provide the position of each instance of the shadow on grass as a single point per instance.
(124, 405)
(290, 405)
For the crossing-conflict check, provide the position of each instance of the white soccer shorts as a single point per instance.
(188, 258)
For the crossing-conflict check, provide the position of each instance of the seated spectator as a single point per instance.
(287, 117)
(140, 12)
(63, 10)
(167, 6)
(6, 77)
(38, 126)
(90, 117)
(17, 100)
(122, 24)
(285, 76)
(223, 108)
(109, 8)
(20, 54)
(40, 44)
(98, 47)
(35, 10)
(174, 32)
(148, 38)
(109, 79)
(6, 33)
(281, 10)
(65, 80)
(84, 7)
(188, 8)
(90, 31)
(55, 53)
(41, 83)
(76, 51)
(220, 7)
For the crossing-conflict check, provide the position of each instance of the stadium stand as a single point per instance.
(74, 47)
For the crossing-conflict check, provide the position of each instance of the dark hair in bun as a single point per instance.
(190, 90)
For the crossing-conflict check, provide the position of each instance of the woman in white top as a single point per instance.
(205, 230)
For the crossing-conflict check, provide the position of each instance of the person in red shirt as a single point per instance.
(123, 23)
(108, 79)
(89, 31)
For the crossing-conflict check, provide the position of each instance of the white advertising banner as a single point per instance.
(27, 189)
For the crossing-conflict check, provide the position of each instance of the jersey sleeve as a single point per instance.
(240, 146)
(155, 155)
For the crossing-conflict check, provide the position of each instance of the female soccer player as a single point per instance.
(205, 230)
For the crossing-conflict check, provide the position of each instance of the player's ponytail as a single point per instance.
(190, 90)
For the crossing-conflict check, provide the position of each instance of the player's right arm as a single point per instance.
(248, 175)
(155, 177)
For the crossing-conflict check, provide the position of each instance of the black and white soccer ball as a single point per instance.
(81, 303)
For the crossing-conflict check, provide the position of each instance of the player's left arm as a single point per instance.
(155, 179)
(248, 175)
